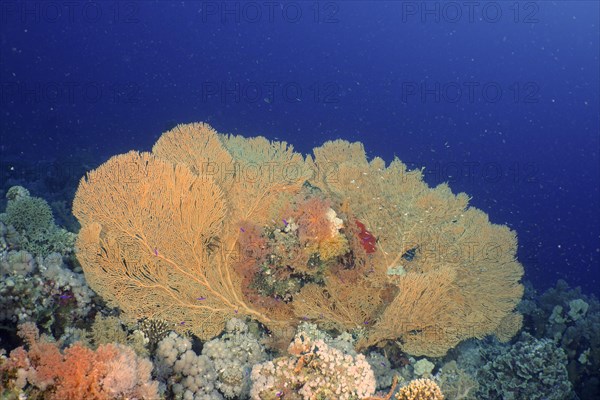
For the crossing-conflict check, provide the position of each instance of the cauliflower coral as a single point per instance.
(420, 389)
(314, 370)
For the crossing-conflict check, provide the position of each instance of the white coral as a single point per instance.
(187, 374)
(336, 223)
(233, 356)
(321, 370)
(53, 268)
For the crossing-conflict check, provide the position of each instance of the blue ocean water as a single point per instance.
(500, 99)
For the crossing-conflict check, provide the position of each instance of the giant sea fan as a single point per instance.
(162, 232)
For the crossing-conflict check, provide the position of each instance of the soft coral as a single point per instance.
(311, 216)
(110, 372)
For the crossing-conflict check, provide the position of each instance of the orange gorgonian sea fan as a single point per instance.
(162, 236)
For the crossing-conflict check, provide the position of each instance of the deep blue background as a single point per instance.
(88, 82)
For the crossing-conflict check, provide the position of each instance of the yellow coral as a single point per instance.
(329, 247)
(420, 389)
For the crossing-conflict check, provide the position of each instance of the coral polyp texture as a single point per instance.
(420, 389)
(211, 226)
(314, 370)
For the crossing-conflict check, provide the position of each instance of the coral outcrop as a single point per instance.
(41, 289)
(571, 319)
(31, 217)
(420, 389)
(314, 370)
(530, 369)
(187, 374)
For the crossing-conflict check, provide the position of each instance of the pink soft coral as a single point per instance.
(311, 217)
(110, 372)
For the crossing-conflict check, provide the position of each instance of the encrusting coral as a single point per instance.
(209, 226)
(456, 383)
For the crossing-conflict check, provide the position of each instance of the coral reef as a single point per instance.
(249, 245)
(41, 289)
(110, 329)
(107, 330)
(233, 356)
(321, 245)
(222, 370)
(313, 370)
(32, 218)
(187, 375)
(571, 320)
(456, 383)
(110, 372)
(420, 389)
(153, 331)
(294, 252)
(529, 369)
(423, 367)
(382, 368)
(36, 283)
